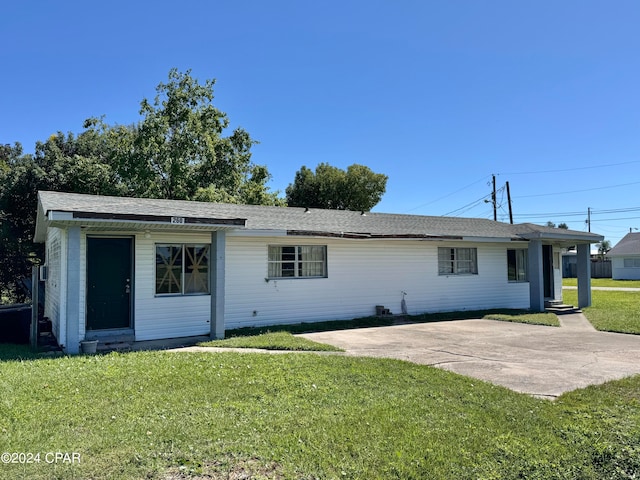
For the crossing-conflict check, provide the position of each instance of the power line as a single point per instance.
(616, 219)
(572, 169)
(449, 194)
(550, 214)
(578, 191)
(481, 199)
(469, 206)
(617, 210)
(576, 214)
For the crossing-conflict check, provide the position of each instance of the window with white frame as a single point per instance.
(299, 261)
(517, 263)
(182, 269)
(632, 262)
(457, 261)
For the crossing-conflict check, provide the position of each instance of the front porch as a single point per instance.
(545, 272)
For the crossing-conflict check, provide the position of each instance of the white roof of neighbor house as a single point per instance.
(65, 209)
(628, 245)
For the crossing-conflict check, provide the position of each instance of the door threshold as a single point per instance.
(111, 335)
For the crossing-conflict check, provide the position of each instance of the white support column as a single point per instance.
(73, 291)
(216, 277)
(536, 276)
(583, 269)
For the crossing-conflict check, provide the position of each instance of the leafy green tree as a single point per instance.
(8, 156)
(562, 225)
(357, 188)
(62, 163)
(178, 150)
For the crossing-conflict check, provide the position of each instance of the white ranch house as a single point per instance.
(625, 258)
(156, 269)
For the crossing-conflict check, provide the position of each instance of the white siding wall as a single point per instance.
(619, 272)
(361, 275)
(166, 316)
(53, 284)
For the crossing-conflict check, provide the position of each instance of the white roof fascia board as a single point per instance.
(53, 215)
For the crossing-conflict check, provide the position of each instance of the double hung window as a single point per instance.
(457, 261)
(302, 261)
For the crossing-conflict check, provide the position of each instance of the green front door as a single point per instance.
(547, 270)
(109, 283)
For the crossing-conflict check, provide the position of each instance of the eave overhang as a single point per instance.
(564, 239)
(97, 221)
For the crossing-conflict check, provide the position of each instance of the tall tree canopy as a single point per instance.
(357, 188)
(179, 149)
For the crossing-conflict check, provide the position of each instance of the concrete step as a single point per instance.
(114, 346)
(112, 338)
(560, 308)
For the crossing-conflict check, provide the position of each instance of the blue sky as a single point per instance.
(437, 95)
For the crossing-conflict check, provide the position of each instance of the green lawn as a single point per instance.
(549, 319)
(603, 282)
(160, 415)
(610, 311)
(272, 341)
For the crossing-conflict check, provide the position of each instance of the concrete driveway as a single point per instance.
(538, 360)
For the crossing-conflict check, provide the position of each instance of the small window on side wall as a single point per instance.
(301, 261)
(631, 263)
(517, 265)
(457, 261)
(182, 269)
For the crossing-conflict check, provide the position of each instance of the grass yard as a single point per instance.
(610, 311)
(603, 282)
(273, 341)
(160, 415)
(548, 319)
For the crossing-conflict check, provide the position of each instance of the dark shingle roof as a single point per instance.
(301, 220)
(629, 245)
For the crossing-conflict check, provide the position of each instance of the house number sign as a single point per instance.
(177, 220)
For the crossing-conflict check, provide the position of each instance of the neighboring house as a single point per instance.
(625, 258)
(600, 267)
(153, 269)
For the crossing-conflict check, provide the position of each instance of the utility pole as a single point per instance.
(493, 197)
(509, 202)
(589, 218)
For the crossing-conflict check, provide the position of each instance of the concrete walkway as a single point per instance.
(537, 360)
